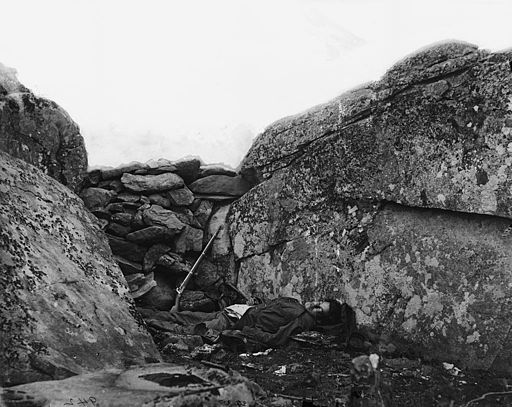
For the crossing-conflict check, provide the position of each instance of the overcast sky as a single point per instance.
(167, 79)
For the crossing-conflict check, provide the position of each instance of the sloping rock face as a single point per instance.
(40, 132)
(358, 198)
(64, 305)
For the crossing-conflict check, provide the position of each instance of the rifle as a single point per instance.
(181, 288)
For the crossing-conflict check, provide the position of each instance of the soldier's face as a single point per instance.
(318, 307)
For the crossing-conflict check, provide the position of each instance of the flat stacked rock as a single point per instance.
(158, 216)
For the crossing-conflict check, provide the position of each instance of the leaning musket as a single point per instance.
(181, 288)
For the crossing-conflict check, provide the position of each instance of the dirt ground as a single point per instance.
(316, 371)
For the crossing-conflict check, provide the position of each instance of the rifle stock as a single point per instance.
(183, 285)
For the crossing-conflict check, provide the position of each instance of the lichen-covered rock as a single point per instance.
(128, 250)
(188, 168)
(196, 301)
(190, 240)
(222, 244)
(203, 211)
(181, 197)
(434, 133)
(151, 234)
(112, 173)
(160, 200)
(428, 276)
(117, 229)
(155, 215)
(216, 169)
(123, 218)
(64, 305)
(129, 197)
(151, 183)
(221, 185)
(173, 264)
(153, 256)
(186, 216)
(92, 178)
(441, 142)
(209, 275)
(40, 132)
(96, 198)
(113, 185)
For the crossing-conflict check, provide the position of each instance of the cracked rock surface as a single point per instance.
(394, 197)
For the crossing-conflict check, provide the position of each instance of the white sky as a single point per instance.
(151, 79)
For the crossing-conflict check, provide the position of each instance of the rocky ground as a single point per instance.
(316, 371)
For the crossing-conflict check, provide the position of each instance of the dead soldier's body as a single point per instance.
(262, 326)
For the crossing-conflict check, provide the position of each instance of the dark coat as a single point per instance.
(273, 323)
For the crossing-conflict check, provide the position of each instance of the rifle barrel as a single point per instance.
(196, 264)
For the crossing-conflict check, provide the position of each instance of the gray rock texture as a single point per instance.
(158, 216)
(181, 197)
(223, 185)
(191, 239)
(40, 132)
(64, 305)
(151, 183)
(395, 197)
(155, 384)
(216, 169)
(157, 227)
(95, 198)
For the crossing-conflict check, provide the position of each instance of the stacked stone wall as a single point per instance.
(158, 216)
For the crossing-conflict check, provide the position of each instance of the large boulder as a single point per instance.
(64, 305)
(40, 132)
(358, 198)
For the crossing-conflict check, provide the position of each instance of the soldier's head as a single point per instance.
(326, 312)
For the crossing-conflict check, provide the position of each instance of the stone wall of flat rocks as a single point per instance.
(158, 216)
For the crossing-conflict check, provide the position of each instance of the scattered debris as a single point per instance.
(325, 377)
(203, 351)
(281, 371)
(402, 363)
(264, 353)
(452, 369)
